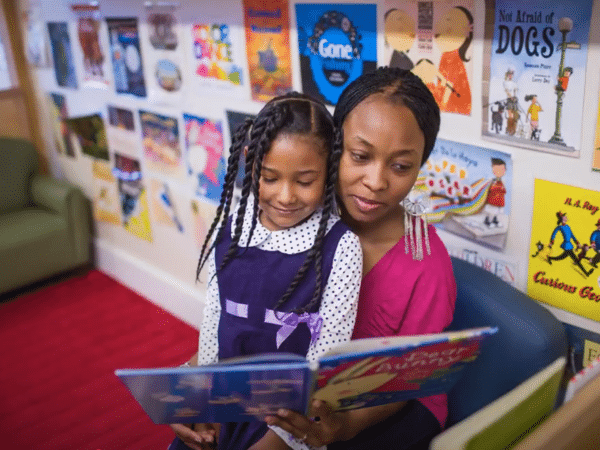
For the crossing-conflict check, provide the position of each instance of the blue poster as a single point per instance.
(126, 56)
(538, 57)
(62, 54)
(337, 43)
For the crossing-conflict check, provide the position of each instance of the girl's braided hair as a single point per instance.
(290, 114)
(397, 85)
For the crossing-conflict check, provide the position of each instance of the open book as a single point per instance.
(360, 373)
(504, 422)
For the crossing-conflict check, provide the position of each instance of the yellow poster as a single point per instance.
(564, 249)
(106, 195)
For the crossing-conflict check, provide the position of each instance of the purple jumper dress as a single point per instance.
(249, 286)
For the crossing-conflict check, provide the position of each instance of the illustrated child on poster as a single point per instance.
(494, 207)
(566, 245)
(533, 116)
(595, 244)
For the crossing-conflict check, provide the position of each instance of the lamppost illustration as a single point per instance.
(565, 24)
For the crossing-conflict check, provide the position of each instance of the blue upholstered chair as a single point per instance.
(529, 338)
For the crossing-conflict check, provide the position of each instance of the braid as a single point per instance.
(262, 134)
(315, 253)
(226, 195)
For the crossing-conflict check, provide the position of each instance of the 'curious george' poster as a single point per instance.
(565, 248)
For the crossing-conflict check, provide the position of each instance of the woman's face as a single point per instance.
(383, 150)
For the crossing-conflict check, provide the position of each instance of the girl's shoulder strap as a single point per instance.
(222, 246)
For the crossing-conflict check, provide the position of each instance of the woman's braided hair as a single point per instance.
(290, 114)
(397, 85)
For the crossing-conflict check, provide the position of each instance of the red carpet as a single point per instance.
(60, 346)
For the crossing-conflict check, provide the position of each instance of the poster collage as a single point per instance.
(533, 96)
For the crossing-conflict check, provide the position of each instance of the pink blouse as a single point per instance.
(400, 296)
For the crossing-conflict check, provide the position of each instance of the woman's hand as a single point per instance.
(326, 428)
(200, 436)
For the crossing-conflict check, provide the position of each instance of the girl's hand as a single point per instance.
(200, 436)
(327, 429)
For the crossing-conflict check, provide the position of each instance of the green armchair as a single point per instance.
(45, 224)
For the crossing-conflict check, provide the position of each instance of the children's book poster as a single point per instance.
(165, 55)
(89, 29)
(434, 40)
(204, 156)
(133, 197)
(235, 120)
(120, 132)
(268, 48)
(160, 142)
(467, 190)
(537, 53)
(106, 207)
(565, 248)
(36, 38)
(337, 43)
(167, 206)
(218, 55)
(62, 54)
(63, 137)
(91, 135)
(505, 270)
(126, 56)
(203, 214)
(596, 151)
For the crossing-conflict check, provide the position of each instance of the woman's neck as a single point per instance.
(388, 229)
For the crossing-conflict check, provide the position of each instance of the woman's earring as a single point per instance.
(416, 206)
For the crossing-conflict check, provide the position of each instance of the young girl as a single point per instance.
(283, 272)
(389, 121)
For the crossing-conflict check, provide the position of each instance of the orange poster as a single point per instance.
(268, 48)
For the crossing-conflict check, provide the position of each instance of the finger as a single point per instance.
(191, 438)
(321, 409)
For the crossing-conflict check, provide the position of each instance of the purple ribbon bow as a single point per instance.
(290, 321)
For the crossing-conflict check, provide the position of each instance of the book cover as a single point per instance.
(536, 52)
(91, 135)
(164, 56)
(89, 29)
(468, 191)
(133, 196)
(204, 155)
(365, 372)
(504, 422)
(337, 43)
(581, 378)
(63, 137)
(62, 54)
(433, 39)
(160, 142)
(126, 56)
(218, 57)
(565, 248)
(268, 48)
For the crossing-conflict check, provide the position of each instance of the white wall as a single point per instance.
(164, 270)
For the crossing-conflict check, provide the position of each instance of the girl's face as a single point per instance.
(292, 181)
(451, 30)
(383, 150)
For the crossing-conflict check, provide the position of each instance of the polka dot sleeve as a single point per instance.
(208, 347)
(340, 298)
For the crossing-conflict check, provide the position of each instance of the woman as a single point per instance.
(389, 122)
